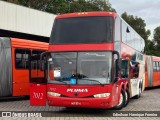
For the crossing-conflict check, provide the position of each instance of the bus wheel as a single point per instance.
(139, 93)
(127, 96)
(121, 101)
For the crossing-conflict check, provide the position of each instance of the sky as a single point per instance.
(148, 10)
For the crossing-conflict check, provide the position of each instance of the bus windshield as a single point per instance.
(82, 30)
(80, 68)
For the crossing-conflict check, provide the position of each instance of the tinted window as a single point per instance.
(35, 59)
(154, 66)
(132, 38)
(22, 58)
(125, 68)
(117, 29)
(82, 30)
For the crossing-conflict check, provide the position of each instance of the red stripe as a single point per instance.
(81, 47)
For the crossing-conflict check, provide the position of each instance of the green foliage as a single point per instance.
(156, 37)
(66, 6)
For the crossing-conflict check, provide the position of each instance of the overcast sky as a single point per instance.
(148, 10)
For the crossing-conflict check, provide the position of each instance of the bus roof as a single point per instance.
(23, 43)
(84, 14)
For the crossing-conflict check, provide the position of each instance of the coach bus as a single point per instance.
(94, 60)
(152, 74)
(14, 65)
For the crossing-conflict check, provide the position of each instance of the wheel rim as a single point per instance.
(120, 100)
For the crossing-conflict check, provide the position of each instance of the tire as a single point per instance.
(139, 93)
(121, 101)
(127, 97)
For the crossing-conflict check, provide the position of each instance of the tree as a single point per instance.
(156, 38)
(66, 6)
(138, 24)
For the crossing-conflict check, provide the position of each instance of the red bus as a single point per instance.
(94, 60)
(152, 73)
(14, 65)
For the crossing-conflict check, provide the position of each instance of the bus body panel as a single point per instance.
(83, 95)
(146, 73)
(20, 89)
(81, 47)
(156, 70)
(152, 71)
(130, 54)
(13, 81)
(21, 76)
(28, 44)
(78, 95)
(38, 94)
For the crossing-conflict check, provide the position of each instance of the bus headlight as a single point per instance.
(102, 95)
(53, 94)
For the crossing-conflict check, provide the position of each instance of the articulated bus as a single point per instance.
(94, 60)
(152, 74)
(15, 57)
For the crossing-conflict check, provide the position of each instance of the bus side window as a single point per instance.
(134, 69)
(125, 69)
(22, 58)
(154, 66)
(36, 63)
(37, 75)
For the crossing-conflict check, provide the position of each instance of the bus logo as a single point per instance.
(38, 95)
(77, 90)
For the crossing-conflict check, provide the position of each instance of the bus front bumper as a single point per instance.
(80, 102)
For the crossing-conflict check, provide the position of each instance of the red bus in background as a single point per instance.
(15, 57)
(94, 60)
(152, 73)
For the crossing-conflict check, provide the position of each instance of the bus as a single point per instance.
(94, 60)
(152, 73)
(15, 57)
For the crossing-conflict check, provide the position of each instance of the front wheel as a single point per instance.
(121, 101)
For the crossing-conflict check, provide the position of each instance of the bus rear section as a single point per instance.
(15, 63)
(152, 72)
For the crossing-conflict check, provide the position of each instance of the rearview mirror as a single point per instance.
(117, 69)
(117, 65)
(42, 61)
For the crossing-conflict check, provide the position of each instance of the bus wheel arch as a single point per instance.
(121, 101)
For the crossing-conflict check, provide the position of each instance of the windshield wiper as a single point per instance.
(93, 80)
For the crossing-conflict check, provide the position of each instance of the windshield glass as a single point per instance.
(80, 68)
(82, 30)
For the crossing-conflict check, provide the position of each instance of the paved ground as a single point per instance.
(149, 101)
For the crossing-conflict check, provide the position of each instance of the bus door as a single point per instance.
(21, 71)
(134, 80)
(38, 86)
